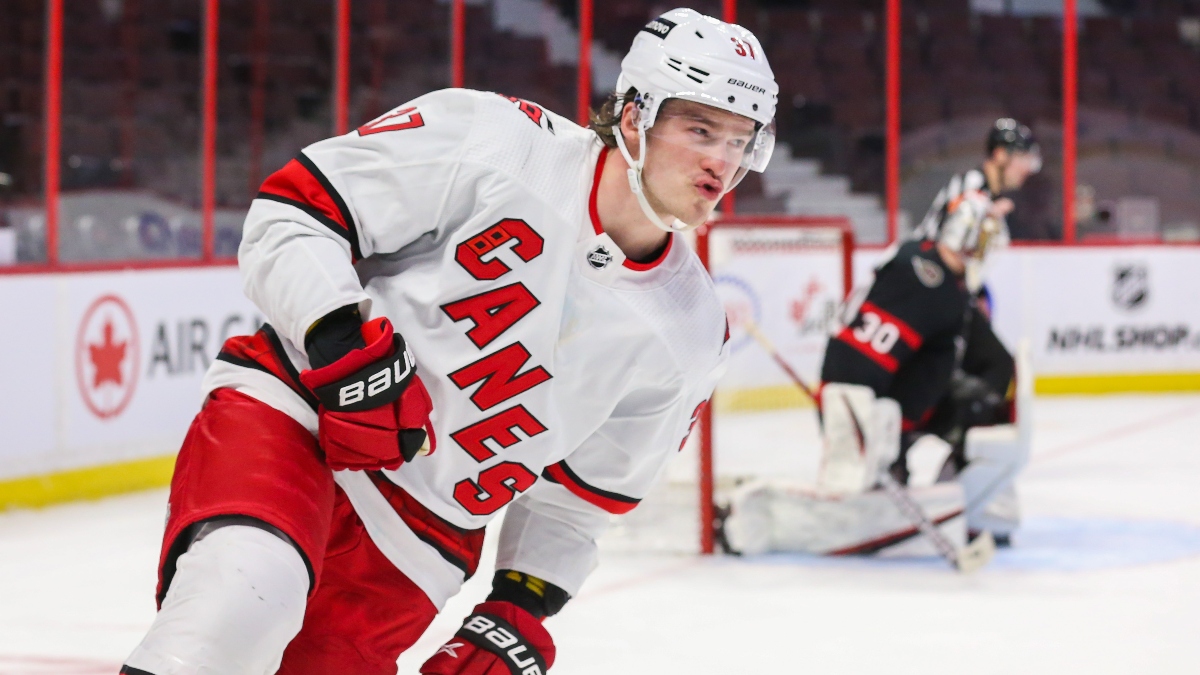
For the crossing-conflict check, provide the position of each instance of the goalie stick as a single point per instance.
(969, 558)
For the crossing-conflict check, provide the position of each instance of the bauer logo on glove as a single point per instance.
(498, 638)
(374, 411)
(360, 391)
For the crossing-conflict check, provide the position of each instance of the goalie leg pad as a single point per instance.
(774, 516)
(861, 436)
(995, 455)
(237, 598)
(749, 528)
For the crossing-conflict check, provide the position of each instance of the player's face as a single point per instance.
(1019, 167)
(695, 152)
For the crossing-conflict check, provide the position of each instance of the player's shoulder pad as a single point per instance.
(974, 181)
(428, 128)
(916, 265)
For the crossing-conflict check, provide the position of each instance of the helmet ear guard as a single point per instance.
(634, 173)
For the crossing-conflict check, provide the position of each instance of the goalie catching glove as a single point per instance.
(499, 638)
(374, 411)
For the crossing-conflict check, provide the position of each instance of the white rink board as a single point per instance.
(1101, 310)
(106, 366)
(1085, 310)
(1079, 317)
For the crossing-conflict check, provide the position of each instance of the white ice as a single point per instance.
(1104, 578)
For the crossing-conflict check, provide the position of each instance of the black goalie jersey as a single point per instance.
(903, 338)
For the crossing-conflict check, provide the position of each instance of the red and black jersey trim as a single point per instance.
(885, 361)
(908, 334)
(302, 185)
(609, 501)
(907, 424)
(458, 546)
(263, 351)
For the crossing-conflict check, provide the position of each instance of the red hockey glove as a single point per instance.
(374, 411)
(498, 638)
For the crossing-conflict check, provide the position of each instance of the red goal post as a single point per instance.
(774, 240)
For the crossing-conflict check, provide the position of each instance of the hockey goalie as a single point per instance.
(916, 357)
(474, 304)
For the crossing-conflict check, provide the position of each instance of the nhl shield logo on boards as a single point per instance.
(107, 356)
(1131, 286)
(599, 257)
(928, 272)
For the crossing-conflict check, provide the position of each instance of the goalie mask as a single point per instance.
(686, 55)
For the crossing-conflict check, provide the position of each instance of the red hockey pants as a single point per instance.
(243, 457)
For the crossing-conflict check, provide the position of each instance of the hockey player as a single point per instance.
(473, 304)
(898, 360)
(981, 394)
(980, 391)
(906, 340)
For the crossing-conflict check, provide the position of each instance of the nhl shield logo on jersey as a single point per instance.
(599, 257)
(1131, 286)
(928, 272)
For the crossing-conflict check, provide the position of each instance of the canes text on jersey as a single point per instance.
(498, 374)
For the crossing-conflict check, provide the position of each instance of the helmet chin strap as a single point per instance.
(638, 189)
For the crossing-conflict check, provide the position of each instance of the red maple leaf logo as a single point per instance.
(800, 307)
(107, 358)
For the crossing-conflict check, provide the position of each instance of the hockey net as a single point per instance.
(788, 275)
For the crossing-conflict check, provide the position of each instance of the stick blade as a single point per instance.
(977, 554)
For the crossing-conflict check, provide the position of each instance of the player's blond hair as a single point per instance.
(606, 121)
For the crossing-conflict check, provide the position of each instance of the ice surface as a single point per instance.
(1103, 578)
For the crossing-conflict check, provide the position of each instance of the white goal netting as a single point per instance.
(787, 275)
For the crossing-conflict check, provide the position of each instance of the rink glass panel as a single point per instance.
(130, 131)
(22, 134)
(1138, 135)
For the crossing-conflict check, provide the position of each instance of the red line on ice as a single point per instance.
(1131, 429)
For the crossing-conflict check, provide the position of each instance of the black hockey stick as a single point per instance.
(967, 559)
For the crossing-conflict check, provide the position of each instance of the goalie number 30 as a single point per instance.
(879, 334)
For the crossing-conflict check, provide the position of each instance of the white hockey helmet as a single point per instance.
(687, 55)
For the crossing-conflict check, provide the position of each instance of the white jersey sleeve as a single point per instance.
(372, 191)
(551, 532)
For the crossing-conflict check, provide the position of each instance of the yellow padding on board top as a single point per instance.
(761, 398)
(90, 483)
(789, 396)
(1117, 383)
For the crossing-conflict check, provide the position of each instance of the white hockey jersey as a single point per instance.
(563, 376)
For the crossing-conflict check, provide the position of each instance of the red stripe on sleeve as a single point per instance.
(911, 337)
(296, 183)
(613, 503)
(885, 361)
